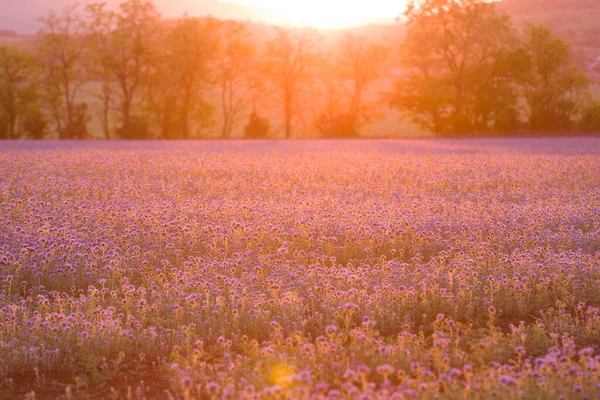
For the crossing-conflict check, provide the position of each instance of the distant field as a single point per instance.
(421, 269)
(24, 42)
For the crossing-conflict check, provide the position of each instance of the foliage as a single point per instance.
(590, 121)
(237, 71)
(341, 125)
(98, 28)
(133, 46)
(60, 44)
(291, 59)
(362, 63)
(257, 128)
(139, 128)
(462, 70)
(34, 123)
(461, 67)
(17, 90)
(555, 89)
(468, 72)
(178, 75)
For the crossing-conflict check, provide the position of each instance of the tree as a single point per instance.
(18, 95)
(257, 127)
(457, 55)
(555, 89)
(235, 73)
(346, 79)
(336, 125)
(99, 27)
(60, 44)
(291, 59)
(33, 122)
(362, 63)
(195, 44)
(180, 75)
(133, 41)
(590, 120)
(334, 95)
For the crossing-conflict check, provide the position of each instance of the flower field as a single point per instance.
(295, 270)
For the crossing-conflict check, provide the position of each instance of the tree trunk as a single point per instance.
(105, 112)
(288, 116)
(126, 125)
(185, 120)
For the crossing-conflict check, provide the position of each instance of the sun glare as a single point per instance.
(282, 375)
(328, 14)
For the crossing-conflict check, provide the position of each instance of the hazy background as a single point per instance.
(20, 16)
(576, 21)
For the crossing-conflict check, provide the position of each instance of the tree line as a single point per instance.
(462, 68)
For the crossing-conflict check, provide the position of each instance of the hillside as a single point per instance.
(574, 20)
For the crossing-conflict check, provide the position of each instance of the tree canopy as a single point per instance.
(462, 69)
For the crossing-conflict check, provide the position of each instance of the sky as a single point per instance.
(329, 13)
(21, 15)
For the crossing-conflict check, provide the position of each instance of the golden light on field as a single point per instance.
(282, 375)
(329, 14)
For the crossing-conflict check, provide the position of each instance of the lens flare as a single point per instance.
(282, 375)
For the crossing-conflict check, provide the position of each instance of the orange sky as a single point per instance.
(22, 14)
(329, 13)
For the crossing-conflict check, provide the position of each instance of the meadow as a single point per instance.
(409, 269)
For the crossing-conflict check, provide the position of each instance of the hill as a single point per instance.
(574, 20)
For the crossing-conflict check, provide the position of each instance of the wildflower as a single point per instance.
(186, 381)
(331, 329)
(212, 388)
(385, 370)
(350, 308)
(508, 380)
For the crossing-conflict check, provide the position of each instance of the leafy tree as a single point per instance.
(133, 43)
(345, 77)
(362, 63)
(590, 120)
(17, 90)
(334, 94)
(33, 122)
(180, 76)
(337, 125)
(458, 54)
(99, 26)
(236, 69)
(291, 60)
(257, 128)
(60, 44)
(555, 89)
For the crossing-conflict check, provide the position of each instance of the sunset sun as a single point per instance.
(332, 14)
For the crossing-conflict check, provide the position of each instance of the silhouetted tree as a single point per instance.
(590, 120)
(33, 123)
(99, 26)
(361, 62)
(133, 42)
(291, 60)
(60, 49)
(456, 55)
(337, 125)
(235, 73)
(555, 89)
(180, 75)
(18, 94)
(257, 127)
